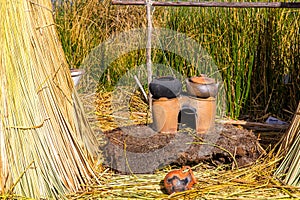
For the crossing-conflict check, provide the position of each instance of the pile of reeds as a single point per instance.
(137, 112)
(289, 169)
(47, 146)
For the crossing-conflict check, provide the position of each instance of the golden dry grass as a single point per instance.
(255, 181)
(44, 152)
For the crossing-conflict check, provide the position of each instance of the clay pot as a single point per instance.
(206, 114)
(179, 180)
(165, 86)
(165, 114)
(202, 87)
(198, 113)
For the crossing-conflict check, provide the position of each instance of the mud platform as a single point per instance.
(139, 149)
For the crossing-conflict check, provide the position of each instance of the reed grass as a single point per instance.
(254, 49)
(83, 25)
(234, 38)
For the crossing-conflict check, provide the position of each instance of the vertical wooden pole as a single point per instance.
(148, 49)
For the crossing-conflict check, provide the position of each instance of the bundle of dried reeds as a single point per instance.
(289, 169)
(47, 147)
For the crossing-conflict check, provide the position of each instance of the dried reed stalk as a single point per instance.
(289, 169)
(148, 49)
(47, 147)
(253, 182)
(291, 134)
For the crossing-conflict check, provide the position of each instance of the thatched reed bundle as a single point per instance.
(47, 146)
(290, 149)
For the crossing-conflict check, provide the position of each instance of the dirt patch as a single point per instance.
(139, 149)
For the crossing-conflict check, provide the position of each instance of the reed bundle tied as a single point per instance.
(47, 147)
(289, 169)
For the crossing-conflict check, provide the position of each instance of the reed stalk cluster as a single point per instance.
(256, 49)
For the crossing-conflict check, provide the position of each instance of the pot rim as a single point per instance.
(189, 81)
(202, 80)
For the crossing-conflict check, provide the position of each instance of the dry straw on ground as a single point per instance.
(253, 182)
(256, 181)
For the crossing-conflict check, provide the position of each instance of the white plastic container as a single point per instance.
(76, 75)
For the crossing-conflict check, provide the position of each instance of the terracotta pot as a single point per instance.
(165, 86)
(179, 180)
(165, 114)
(202, 87)
(206, 113)
(200, 111)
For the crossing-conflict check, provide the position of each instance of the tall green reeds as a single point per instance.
(276, 83)
(256, 50)
(83, 25)
(245, 44)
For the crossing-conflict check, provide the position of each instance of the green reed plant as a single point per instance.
(254, 49)
(83, 25)
(275, 83)
(229, 36)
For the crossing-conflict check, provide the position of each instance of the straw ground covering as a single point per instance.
(256, 181)
(253, 182)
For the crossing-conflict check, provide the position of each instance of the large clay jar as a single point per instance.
(165, 114)
(206, 112)
(166, 86)
(198, 113)
(201, 86)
